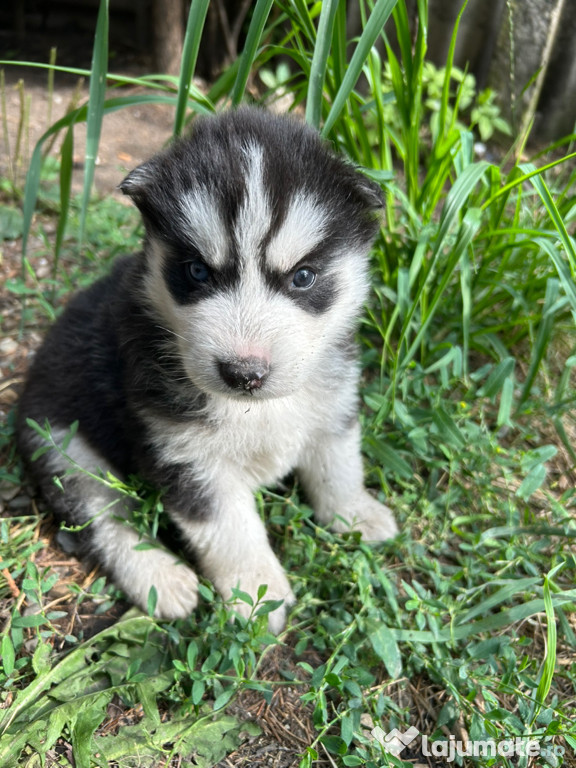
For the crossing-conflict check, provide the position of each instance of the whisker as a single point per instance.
(169, 330)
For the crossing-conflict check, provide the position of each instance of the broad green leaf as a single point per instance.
(152, 601)
(334, 744)
(537, 456)
(495, 382)
(83, 727)
(41, 657)
(223, 699)
(387, 457)
(532, 482)
(242, 596)
(447, 429)
(198, 688)
(8, 655)
(11, 222)
(386, 648)
(192, 655)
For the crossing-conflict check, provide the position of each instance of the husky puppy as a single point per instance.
(217, 360)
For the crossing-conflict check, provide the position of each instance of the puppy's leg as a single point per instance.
(231, 544)
(107, 539)
(332, 475)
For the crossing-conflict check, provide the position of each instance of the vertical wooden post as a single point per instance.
(168, 35)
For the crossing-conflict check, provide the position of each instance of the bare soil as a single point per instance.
(129, 136)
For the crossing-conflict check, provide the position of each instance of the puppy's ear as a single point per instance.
(138, 182)
(370, 192)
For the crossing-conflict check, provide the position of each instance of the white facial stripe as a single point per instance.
(204, 227)
(254, 217)
(303, 228)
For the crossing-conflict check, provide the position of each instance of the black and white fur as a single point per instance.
(218, 360)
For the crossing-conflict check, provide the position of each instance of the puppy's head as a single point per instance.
(257, 239)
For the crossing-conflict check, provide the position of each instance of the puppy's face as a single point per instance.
(256, 240)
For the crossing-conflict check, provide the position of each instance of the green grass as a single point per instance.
(465, 624)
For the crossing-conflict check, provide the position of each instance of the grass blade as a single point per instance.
(561, 266)
(31, 194)
(543, 337)
(470, 225)
(97, 95)
(373, 29)
(506, 402)
(448, 76)
(497, 378)
(66, 166)
(387, 457)
(250, 52)
(194, 29)
(541, 187)
(319, 62)
(503, 594)
(517, 180)
(547, 674)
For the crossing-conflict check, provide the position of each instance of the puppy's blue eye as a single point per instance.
(304, 278)
(197, 271)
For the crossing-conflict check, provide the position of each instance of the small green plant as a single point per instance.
(467, 109)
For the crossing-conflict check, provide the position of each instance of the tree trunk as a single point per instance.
(168, 35)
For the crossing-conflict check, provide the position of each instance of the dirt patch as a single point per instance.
(129, 136)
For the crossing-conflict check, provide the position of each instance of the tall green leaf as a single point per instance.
(96, 98)
(194, 29)
(373, 29)
(66, 166)
(319, 62)
(250, 51)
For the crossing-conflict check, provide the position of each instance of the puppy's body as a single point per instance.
(218, 360)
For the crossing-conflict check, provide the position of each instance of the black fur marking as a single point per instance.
(324, 292)
(316, 299)
(181, 491)
(186, 291)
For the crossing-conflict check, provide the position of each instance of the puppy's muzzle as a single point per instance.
(247, 374)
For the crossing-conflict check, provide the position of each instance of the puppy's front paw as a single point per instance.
(249, 576)
(176, 585)
(374, 520)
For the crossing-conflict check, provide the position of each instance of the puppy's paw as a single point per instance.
(248, 577)
(374, 520)
(176, 585)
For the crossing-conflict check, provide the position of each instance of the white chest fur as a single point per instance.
(259, 439)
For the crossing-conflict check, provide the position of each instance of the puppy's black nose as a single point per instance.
(248, 374)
